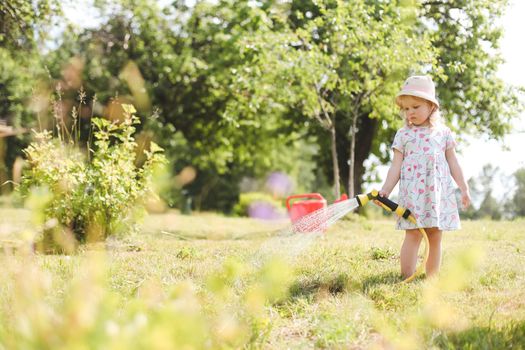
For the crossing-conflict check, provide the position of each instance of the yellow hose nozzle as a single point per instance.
(386, 203)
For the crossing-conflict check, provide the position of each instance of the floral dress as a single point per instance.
(426, 186)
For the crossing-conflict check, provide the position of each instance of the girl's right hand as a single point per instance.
(382, 193)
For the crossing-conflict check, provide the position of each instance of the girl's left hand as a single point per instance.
(465, 198)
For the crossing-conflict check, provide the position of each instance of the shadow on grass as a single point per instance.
(382, 279)
(333, 284)
(343, 283)
(510, 336)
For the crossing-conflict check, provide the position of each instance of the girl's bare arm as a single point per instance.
(393, 174)
(457, 175)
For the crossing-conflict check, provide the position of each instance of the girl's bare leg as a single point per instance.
(434, 257)
(409, 251)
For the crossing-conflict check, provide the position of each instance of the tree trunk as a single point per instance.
(364, 139)
(337, 188)
(3, 167)
(352, 131)
(363, 147)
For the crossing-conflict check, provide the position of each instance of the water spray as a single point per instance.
(312, 215)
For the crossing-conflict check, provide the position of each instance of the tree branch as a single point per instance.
(327, 124)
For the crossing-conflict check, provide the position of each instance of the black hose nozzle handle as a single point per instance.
(386, 203)
(391, 205)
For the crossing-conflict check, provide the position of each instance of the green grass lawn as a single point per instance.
(208, 281)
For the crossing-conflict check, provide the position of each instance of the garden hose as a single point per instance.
(405, 213)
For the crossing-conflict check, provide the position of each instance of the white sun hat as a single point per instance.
(420, 86)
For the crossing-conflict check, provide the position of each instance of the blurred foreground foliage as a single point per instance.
(185, 315)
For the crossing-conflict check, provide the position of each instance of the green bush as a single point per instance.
(98, 194)
(250, 198)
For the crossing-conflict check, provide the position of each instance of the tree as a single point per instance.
(464, 33)
(23, 28)
(474, 99)
(489, 205)
(518, 200)
(362, 72)
(23, 23)
(467, 38)
(334, 66)
(183, 58)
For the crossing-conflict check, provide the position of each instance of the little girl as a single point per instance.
(424, 160)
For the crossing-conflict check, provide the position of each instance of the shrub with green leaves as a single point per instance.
(97, 194)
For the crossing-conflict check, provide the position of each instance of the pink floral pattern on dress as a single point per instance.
(426, 186)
